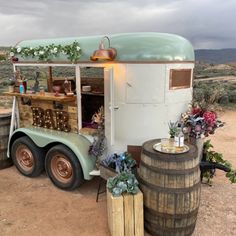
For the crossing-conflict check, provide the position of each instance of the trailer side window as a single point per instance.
(180, 78)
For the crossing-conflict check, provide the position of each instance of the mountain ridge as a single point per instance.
(216, 56)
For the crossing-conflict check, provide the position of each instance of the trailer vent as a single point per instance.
(180, 78)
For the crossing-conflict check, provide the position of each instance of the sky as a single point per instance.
(205, 23)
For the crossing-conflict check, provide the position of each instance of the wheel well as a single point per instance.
(14, 137)
(22, 134)
(50, 145)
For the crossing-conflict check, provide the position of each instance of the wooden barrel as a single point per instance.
(5, 121)
(171, 189)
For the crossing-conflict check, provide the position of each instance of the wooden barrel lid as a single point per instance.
(5, 112)
(168, 157)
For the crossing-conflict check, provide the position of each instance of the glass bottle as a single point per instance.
(179, 140)
(22, 88)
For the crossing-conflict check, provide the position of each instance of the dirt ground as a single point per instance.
(35, 207)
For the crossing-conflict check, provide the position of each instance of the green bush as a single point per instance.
(230, 86)
(210, 93)
(232, 96)
(2, 57)
(224, 100)
(207, 93)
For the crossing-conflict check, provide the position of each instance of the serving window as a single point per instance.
(180, 78)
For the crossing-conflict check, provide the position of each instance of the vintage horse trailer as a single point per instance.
(147, 84)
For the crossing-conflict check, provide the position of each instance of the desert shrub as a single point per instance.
(207, 94)
(2, 57)
(224, 100)
(230, 86)
(4, 83)
(232, 96)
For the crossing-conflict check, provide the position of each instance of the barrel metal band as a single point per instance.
(3, 149)
(169, 171)
(4, 136)
(169, 190)
(169, 231)
(5, 163)
(154, 213)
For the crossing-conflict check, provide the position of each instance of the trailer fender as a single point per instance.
(76, 142)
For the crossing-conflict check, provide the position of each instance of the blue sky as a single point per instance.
(205, 23)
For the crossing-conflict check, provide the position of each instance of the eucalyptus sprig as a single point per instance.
(45, 53)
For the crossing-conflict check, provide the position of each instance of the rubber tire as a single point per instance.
(77, 178)
(38, 156)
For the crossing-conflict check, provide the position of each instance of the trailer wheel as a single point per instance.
(63, 168)
(27, 157)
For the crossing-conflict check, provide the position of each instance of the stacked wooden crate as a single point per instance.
(125, 214)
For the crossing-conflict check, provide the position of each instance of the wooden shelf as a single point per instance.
(92, 94)
(45, 97)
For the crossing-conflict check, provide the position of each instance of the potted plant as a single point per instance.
(173, 127)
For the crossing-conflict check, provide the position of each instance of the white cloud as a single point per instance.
(206, 23)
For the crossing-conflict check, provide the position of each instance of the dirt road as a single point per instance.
(35, 207)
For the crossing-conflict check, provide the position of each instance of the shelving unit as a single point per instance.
(43, 97)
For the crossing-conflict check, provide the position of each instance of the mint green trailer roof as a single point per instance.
(131, 47)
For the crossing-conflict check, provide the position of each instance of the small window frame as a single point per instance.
(187, 80)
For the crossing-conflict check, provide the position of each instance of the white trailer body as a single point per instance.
(146, 86)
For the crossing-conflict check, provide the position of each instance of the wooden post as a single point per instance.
(49, 80)
(125, 214)
(129, 214)
(138, 214)
(115, 215)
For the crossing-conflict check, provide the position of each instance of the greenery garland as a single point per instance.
(215, 157)
(45, 53)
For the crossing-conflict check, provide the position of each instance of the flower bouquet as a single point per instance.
(98, 147)
(199, 123)
(115, 164)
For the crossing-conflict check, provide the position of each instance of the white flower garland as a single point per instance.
(45, 53)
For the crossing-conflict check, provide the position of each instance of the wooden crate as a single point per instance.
(125, 214)
(106, 172)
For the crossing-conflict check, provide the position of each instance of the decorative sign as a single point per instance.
(38, 116)
(44, 118)
(49, 122)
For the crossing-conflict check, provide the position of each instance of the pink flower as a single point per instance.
(209, 128)
(209, 117)
(198, 128)
(196, 110)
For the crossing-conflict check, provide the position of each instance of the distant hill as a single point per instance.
(216, 56)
